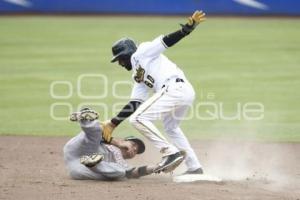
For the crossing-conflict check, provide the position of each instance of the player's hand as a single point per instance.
(107, 129)
(125, 145)
(196, 18)
(193, 21)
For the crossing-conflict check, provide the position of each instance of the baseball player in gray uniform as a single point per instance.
(173, 95)
(87, 157)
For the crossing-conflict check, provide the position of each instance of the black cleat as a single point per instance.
(169, 163)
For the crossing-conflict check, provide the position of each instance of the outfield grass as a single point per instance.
(238, 60)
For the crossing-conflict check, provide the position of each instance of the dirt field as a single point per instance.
(33, 168)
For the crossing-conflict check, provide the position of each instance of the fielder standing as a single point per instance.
(173, 94)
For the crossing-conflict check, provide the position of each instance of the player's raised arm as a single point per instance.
(193, 22)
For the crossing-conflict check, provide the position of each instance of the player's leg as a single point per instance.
(77, 148)
(160, 104)
(142, 120)
(171, 124)
(81, 145)
(80, 172)
(85, 143)
(185, 93)
(102, 171)
(90, 126)
(92, 135)
(73, 150)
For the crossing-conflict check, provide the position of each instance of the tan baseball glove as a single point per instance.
(193, 21)
(107, 130)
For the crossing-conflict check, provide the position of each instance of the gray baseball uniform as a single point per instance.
(88, 141)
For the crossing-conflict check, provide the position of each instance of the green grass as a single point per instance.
(238, 60)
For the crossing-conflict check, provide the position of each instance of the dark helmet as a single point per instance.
(123, 47)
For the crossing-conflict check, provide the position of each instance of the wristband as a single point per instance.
(142, 171)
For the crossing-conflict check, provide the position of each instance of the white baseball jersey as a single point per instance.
(151, 69)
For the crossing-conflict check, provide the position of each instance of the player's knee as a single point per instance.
(79, 174)
(74, 174)
(73, 171)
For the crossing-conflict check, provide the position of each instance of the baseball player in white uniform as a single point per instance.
(173, 94)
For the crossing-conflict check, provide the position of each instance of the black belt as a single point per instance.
(177, 80)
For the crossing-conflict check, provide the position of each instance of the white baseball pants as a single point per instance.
(169, 105)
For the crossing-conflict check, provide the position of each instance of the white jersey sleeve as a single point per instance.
(153, 48)
(139, 92)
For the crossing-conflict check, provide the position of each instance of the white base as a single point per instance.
(195, 177)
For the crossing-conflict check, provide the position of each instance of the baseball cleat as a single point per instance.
(169, 163)
(89, 115)
(91, 160)
(74, 117)
(84, 114)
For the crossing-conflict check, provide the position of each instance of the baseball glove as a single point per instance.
(107, 129)
(193, 21)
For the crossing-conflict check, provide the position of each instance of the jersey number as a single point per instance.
(149, 81)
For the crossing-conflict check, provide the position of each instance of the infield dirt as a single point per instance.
(33, 168)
